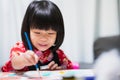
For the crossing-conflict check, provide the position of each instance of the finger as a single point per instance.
(51, 64)
(30, 58)
(36, 58)
(58, 67)
(54, 66)
(33, 56)
(30, 52)
(25, 60)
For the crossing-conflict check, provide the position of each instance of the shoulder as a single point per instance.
(19, 46)
(60, 53)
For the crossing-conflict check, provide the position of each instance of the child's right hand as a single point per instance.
(30, 58)
(24, 59)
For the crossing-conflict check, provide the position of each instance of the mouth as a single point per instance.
(43, 45)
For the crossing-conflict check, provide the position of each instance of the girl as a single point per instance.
(43, 22)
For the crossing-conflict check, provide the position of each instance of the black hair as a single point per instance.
(45, 15)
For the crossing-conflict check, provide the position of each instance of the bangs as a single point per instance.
(45, 18)
(44, 22)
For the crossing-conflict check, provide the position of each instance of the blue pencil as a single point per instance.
(30, 48)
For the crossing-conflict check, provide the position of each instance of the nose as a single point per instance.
(43, 37)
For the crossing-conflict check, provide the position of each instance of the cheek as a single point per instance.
(33, 39)
(31, 36)
(54, 39)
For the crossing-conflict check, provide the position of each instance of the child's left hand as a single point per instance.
(53, 66)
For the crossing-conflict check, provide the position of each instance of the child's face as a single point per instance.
(42, 39)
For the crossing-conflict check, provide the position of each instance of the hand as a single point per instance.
(24, 59)
(30, 58)
(52, 65)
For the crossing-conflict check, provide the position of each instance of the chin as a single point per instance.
(42, 49)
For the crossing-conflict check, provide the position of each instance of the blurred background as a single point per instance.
(85, 21)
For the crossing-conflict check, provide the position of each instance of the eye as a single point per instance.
(51, 33)
(37, 32)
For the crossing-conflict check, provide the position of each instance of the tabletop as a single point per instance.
(74, 74)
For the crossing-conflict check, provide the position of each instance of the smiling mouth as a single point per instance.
(43, 45)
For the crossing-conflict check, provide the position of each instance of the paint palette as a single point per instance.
(35, 73)
(48, 75)
(51, 75)
(61, 73)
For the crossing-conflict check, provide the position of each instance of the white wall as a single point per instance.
(80, 25)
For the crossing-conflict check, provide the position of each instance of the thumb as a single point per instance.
(36, 58)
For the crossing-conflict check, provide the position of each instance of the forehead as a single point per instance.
(44, 27)
(43, 30)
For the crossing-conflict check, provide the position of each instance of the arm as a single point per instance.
(8, 65)
(20, 59)
(65, 62)
(24, 59)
